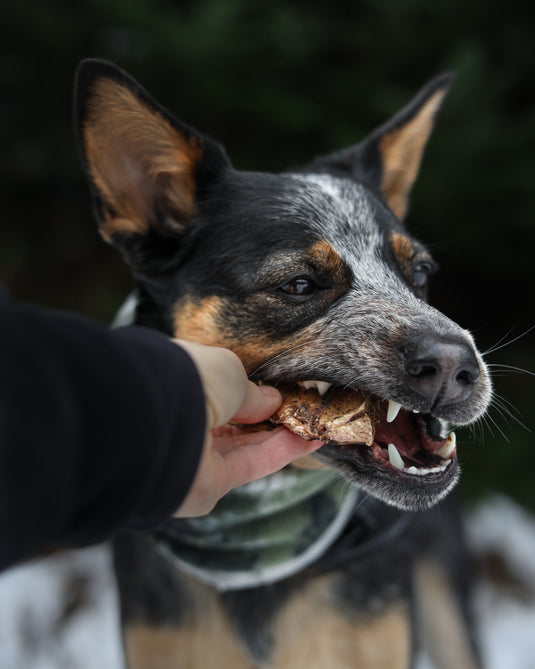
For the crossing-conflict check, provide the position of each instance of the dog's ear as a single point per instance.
(145, 167)
(389, 159)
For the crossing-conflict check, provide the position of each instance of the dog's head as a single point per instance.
(307, 276)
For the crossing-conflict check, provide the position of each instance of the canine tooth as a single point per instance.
(444, 428)
(393, 410)
(395, 458)
(322, 387)
(446, 451)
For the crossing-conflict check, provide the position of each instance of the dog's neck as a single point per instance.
(264, 531)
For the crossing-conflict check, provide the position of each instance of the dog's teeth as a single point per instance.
(393, 410)
(307, 385)
(423, 471)
(321, 386)
(444, 428)
(446, 451)
(395, 458)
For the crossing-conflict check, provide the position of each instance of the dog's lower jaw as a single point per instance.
(402, 491)
(412, 464)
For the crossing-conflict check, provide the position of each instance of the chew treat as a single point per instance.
(338, 417)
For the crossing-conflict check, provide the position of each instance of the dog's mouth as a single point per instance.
(406, 458)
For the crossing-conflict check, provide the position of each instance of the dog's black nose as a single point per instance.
(442, 372)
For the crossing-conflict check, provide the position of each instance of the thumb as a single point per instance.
(228, 392)
(259, 403)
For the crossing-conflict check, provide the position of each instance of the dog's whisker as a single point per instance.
(281, 356)
(503, 413)
(477, 432)
(491, 419)
(499, 345)
(343, 490)
(507, 409)
(510, 368)
(505, 401)
(316, 344)
(478, 429)
(485, 423)
(499, 342)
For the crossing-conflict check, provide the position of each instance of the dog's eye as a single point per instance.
(300, 286)
(420, 274)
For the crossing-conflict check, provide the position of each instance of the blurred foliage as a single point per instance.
(278, 83)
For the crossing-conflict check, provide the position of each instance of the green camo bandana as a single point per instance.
(264, 531)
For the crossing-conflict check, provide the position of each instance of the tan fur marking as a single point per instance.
(404, 252)
(326, 258)
(201, 322)
(312, 633)
(196, 321)
(127, 226)
(135, 158)
(204, 645)
(441, 623)
(402, 151)
(208, 641)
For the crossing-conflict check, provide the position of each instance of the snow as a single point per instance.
(61, 612)
(40, 625)
(506, 619)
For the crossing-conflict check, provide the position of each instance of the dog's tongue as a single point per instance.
(339, 417)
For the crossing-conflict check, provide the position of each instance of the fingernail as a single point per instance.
(270, 392)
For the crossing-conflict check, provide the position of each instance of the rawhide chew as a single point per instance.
(338, 417)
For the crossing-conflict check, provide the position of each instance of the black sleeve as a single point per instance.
(100, 430)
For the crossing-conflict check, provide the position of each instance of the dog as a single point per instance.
(352, 556)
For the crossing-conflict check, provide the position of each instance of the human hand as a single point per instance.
(232, 457)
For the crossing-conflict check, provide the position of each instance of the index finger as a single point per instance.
(251, 459)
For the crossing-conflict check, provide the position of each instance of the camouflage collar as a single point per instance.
(264, 531)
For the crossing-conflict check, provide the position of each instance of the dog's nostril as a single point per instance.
(422, 369)
(468, 376)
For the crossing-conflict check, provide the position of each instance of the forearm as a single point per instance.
(99, 430)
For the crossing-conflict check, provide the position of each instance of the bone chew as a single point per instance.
(339, 417)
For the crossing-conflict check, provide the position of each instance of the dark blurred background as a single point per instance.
(278, 83)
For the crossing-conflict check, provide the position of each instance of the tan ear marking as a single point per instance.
(138, 161)
(402, 150)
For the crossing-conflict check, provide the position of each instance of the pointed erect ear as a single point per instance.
(145, 167)
(389, 159)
